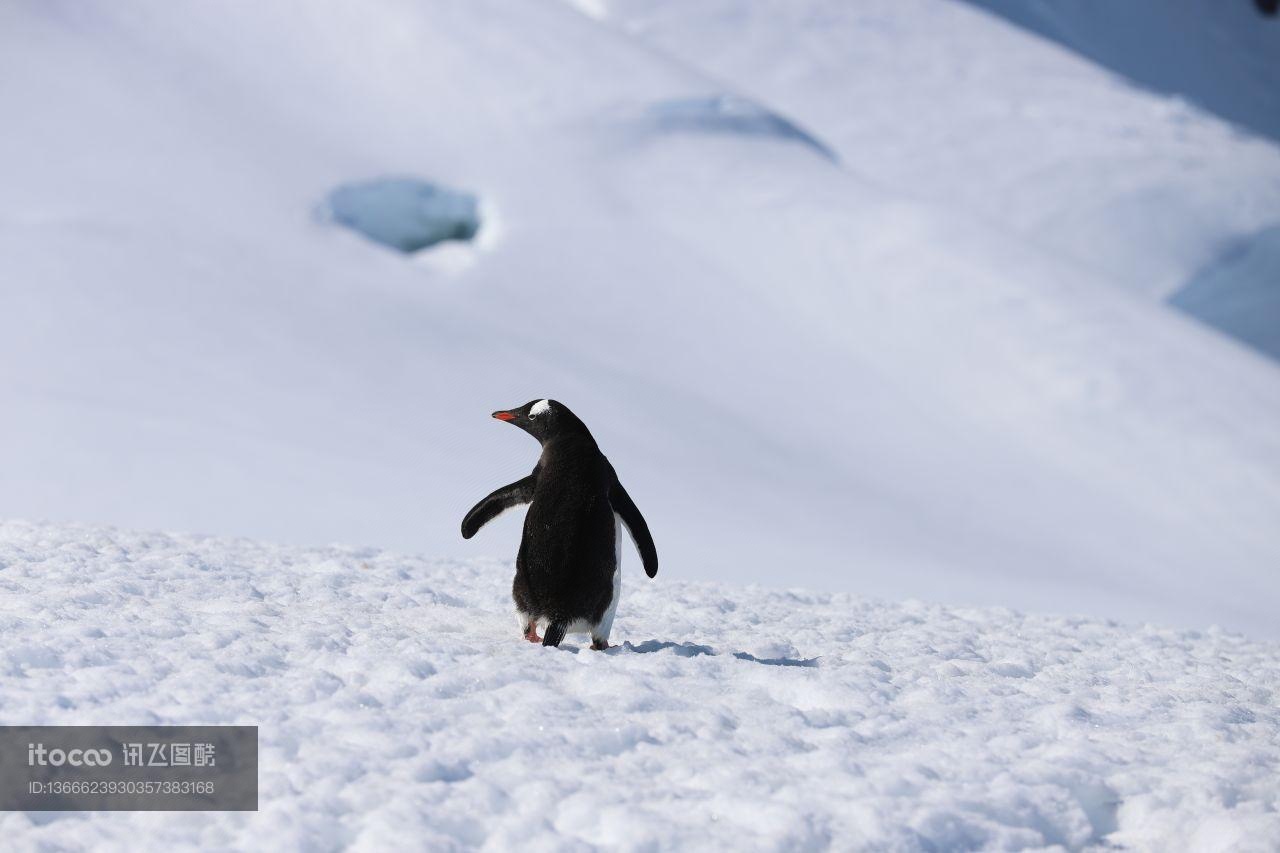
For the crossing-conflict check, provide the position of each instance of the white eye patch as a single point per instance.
(539, 407)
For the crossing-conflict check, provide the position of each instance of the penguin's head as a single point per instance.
(542, 419)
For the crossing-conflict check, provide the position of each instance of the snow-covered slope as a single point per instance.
(945, 102)
(398, 709)
(1218, 55)
(805, 363)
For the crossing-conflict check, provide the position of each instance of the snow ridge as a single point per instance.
(397, 708)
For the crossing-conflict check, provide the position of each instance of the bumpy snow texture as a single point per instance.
(399, 709)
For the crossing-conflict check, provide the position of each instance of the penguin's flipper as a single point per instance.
(631, 517)
(498, 502)
(554, 634)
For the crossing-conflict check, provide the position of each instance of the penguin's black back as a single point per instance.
(564, 570)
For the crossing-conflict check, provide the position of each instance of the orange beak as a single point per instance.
(505, 416)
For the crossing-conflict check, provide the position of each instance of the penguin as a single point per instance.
(568, 572)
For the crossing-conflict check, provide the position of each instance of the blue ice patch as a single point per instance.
(407, 214)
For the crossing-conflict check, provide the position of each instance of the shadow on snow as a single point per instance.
(693, 650)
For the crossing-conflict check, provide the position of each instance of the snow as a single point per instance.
(979, 394)
(1170, 48)
(398, 708)
(945, 102)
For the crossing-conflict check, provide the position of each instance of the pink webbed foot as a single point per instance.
(531, 633)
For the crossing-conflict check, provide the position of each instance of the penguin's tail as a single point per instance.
(554, 633)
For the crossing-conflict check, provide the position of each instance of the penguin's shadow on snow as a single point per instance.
(693, 650)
